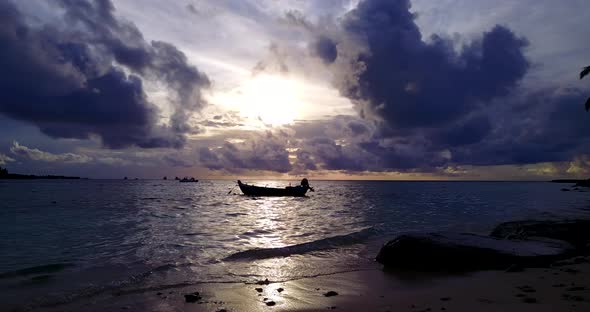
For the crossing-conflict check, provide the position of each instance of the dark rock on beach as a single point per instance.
(466, 252)
(193, 297)
(529, 300)
(265, 282)
(575, 232)
(331, 293)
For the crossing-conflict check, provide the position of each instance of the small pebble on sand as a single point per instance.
(529, 300)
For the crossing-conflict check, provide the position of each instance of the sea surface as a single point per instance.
(65, 240)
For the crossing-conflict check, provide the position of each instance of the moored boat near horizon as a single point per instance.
(187, 179)
(295, 191)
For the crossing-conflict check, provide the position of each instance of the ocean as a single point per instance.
(63, 240)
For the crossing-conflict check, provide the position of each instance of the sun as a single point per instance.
(274, 100)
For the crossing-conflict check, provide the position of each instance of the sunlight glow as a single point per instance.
(271, 99)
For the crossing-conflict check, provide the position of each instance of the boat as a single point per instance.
(186, 179)
(296, 191)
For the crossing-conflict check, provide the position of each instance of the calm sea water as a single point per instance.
(62, 240)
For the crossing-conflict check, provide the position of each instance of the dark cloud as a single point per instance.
(547, 126)
(259, 152)
(325, 48)
(407, 82)
(80, 85)
(357, 128)
(176, 161)
(191, 8)
(332, 156)
(469, 131)
(297, 18)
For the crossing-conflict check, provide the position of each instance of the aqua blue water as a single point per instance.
(67, 239)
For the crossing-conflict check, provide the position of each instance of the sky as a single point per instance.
(265, 89)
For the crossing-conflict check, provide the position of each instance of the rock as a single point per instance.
(466, 252)
(265, 282)
(565, 190)
(331, 293)
(529, 300)
(575, 232)
(572, 297)
(280, 289)
(270, 303)
(193, 297)
(258, 289)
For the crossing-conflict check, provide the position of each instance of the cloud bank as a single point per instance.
(84, 76)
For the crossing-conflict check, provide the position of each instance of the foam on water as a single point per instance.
(303, 248)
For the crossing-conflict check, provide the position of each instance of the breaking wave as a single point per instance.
(317, 245)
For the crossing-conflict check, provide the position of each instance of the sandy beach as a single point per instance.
(563, 286)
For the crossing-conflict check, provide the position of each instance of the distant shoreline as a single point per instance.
(569, 181)
(15, 176)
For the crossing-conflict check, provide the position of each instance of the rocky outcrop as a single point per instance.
(467, 252)
(575, 232)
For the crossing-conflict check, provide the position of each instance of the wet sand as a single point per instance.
(562, 287)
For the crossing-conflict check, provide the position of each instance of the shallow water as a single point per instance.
(67, 239)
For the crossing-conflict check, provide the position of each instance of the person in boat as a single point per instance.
(305, 184)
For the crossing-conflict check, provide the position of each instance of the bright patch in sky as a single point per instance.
(272, 99)
(277, 100)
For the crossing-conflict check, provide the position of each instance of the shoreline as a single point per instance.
(562, 286)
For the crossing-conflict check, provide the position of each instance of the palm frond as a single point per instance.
(588, 104)
(585, 71)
